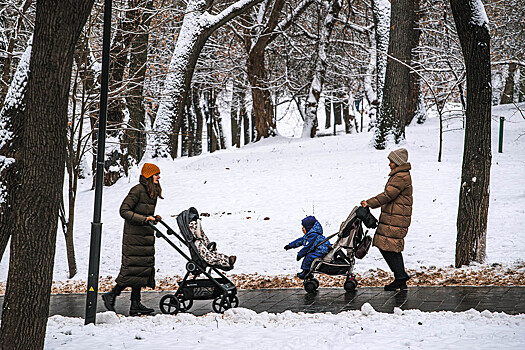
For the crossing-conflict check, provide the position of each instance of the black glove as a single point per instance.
(299, 257)
(287, 247)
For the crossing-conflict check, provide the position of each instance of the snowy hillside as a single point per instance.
(257, 195)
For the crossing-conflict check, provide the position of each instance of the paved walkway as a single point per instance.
(510, 300)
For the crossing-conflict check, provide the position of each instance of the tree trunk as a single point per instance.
(11, 128)
(196, 28)
(521, 94)
(474, 36)
(381, 15)
(118, 163)
(135, 139)
(248, 127)
(197, 146)
(262, 102)
(338, 117)
(237, 113)
(330, 12)
(8, 55)
(184, 132)
(217, 120)
(262, 109)
(68, 235)
(400, 91)
(327, 111)
(347, 116)
(41, 170)
(508, 91)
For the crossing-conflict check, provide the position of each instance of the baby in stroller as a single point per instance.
(315, 244)
(208, 250)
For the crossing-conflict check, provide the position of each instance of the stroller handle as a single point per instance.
(170, 231)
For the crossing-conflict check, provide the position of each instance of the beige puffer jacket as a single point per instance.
(396, 210)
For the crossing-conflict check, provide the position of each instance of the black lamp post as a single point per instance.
(96, 225)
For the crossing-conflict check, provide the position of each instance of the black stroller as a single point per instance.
(221, 289)
(351, 238)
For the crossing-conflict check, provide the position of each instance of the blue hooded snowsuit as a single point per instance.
(310, 240)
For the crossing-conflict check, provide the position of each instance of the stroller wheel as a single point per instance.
(185, 304)
(350, 285)
(310, 286)
(169, 304)
(234, 301)
(220, 304)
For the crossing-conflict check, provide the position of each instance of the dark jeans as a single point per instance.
(396, 264)
(135, 291)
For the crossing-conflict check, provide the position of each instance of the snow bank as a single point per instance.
(245, 329)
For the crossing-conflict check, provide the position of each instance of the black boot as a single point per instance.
(399, 283)
(109, 300)
(137, 309)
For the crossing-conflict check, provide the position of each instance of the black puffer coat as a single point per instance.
(138, 241)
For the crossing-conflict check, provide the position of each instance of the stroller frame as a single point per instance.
(221, 290)
(336, 262)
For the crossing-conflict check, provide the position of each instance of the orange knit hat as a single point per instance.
(148, 170)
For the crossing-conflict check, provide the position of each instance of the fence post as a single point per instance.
(500, 146)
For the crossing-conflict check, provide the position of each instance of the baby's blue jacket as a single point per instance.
(311, 239)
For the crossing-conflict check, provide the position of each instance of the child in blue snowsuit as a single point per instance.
(313, 235)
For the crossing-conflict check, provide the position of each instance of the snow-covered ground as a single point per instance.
(244, 329)
(257, 195)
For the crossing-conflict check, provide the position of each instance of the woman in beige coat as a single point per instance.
(396, 212)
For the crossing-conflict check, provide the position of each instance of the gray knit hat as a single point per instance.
(399, 156)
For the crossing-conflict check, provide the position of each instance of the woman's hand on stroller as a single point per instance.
(158, 218)
(150, 219)
(364, 204)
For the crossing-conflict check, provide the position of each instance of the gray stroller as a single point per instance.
(352, 242)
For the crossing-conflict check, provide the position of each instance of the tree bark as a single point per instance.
(41, 171)
(400, 90)
(237, 113)
(521, 94)
(11, 128)
(508, 91)
(381, 15)
(196, 28)
(330, 11)
(197, 146)
(6, 61)
(263, 114)
(473, 208)
(255, 66)
(327, 111)
(135, 139)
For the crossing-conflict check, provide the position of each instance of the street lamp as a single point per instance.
(96, 225)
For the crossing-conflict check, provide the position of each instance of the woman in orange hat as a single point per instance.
(138, 241)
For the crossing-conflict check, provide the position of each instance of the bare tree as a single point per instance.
(15, 35)
(197, 26)
(330, 11)
(41, 170)
(381, 14)
(472, 26)
(11, 122)
(401, 91)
